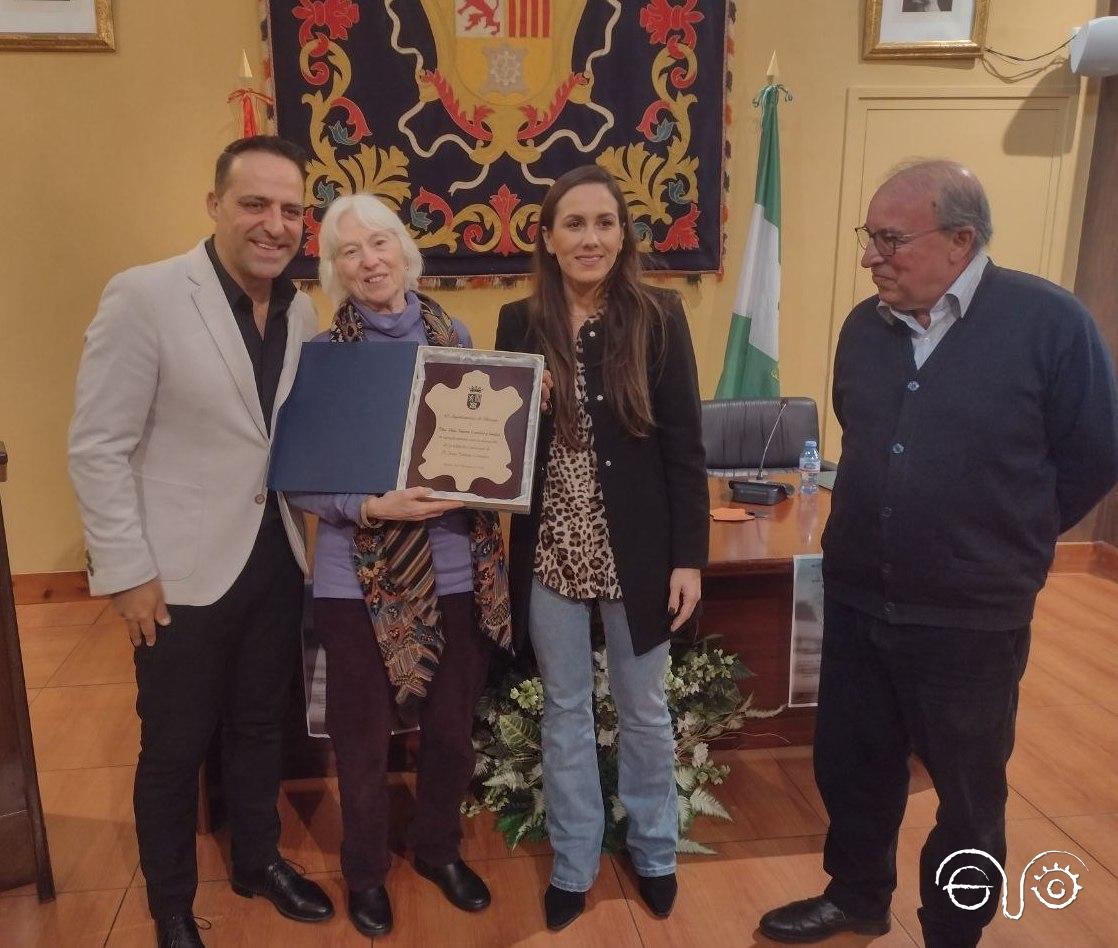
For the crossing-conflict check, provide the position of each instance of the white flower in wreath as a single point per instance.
(617, 809)
(601, 676)
(509, 779)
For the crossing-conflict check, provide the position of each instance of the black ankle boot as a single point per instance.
(658, 893)
(562, 907)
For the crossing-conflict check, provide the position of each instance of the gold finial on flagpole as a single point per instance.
(247, 96)
(773, 74)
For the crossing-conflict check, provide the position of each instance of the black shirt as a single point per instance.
(265, 352)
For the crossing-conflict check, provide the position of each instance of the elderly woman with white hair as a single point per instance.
(410, 595)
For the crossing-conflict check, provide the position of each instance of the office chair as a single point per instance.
(735, 432)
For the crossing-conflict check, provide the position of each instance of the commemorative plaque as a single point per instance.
(471, 427)
(374, 418)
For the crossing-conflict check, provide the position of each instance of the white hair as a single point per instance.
(372, 213)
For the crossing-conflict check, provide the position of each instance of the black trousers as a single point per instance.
(950, 697)
(360, 714)
(229, 662)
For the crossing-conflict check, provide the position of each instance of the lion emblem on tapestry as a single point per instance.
(460, 113)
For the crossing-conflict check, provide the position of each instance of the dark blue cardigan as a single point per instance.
(956, 479)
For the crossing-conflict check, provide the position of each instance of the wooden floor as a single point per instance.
(1064, 778)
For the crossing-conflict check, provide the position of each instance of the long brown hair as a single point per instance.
(632, 325)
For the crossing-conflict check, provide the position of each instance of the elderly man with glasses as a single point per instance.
(980, 420)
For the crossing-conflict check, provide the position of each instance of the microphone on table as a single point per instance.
(758, 489)
(760, 475)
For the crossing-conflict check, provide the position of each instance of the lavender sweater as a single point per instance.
(334, 576)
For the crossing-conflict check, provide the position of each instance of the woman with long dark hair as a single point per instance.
(618, 519)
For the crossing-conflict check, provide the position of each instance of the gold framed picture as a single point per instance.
(57, 25)
(925, 29)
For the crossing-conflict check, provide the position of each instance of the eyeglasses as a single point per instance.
(887, 244)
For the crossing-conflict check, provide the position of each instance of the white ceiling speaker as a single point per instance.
(1094, 48)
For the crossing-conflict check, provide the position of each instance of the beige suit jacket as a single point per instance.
(168, 445)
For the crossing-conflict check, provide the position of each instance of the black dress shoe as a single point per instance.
(815, 919)
(658, 893)
(293, 895)
(370, 911)
(177, 931)
(561, 907)
(460, 884)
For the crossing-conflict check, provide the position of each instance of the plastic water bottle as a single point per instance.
(809, 468)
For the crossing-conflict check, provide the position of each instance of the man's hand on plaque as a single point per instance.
(545, 391)
(413, 503)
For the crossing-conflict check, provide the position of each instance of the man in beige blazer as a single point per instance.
(185, 366)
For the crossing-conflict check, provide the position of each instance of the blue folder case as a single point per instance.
(341, 429)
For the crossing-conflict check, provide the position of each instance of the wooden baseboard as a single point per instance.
(1074, 556)
(1089, 556)
(1106, 561)
(32, 588)
(1071, 557)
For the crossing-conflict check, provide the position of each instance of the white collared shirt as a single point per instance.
(949, 308)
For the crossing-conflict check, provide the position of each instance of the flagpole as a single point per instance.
(751, 367)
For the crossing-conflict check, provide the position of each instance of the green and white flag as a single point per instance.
(751, 368)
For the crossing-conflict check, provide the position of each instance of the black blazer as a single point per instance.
(655, 488)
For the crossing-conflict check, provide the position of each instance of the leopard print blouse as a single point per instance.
(573, 553)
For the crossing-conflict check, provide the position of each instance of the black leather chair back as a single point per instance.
(735, 431)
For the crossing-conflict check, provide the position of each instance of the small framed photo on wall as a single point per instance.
(925, 29)
(56, 24)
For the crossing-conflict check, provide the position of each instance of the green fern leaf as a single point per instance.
(686, 845)
(518, 732)
(686, 814)
(705, 803)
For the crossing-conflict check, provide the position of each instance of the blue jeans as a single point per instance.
(560, 631)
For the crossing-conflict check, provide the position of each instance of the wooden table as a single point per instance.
(747, 599)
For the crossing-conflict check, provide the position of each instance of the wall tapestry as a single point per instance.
(460, 113)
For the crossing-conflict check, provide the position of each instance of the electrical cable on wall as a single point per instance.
(994, 68)
(1092, 50)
